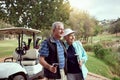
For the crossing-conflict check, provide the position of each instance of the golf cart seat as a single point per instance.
(29, 59)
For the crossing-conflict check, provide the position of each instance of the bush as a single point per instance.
(101, 53)
(118, 49)
(112, 59)
(96, 47)
(88, 47)
(116, 78)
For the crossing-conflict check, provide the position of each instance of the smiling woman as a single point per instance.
(80, 4)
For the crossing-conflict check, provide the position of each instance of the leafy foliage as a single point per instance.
(97, 47)
(38, 14)
(83, 23)
(118, 49)
(88, 47)
(4, 25)
(115, 26)
(100, 51)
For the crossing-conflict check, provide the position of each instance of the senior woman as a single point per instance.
(76, 57)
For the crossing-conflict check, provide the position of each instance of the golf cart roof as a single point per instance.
(19, 30)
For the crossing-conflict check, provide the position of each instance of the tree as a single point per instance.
(4, 25)
(83, 23)
(115, 26)
(38, 14)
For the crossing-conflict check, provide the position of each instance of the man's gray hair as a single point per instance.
(55, 24)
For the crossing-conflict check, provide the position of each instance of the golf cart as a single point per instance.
(24, 64)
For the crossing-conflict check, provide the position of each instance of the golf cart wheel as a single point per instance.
(19, 76)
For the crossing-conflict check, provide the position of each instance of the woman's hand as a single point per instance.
(80, 63)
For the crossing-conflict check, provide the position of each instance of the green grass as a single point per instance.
(106, 37)
(93, 64)
(97, 66)
(7, 47)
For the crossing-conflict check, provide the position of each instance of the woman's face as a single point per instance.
(70, 38)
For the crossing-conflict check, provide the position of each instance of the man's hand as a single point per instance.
(53, 69)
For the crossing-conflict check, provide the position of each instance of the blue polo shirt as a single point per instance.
(44, 51)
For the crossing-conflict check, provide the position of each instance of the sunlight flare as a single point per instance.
(80, 4)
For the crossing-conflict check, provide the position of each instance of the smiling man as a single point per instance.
(52, 52)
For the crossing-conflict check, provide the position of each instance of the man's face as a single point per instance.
(58, 31)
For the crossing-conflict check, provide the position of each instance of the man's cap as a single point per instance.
(68, 31)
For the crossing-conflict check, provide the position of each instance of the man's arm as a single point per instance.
(46, 65)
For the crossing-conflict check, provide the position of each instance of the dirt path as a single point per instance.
(92, 76)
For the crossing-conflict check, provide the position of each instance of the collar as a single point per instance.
(53, 40)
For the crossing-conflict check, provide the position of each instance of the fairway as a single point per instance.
(93, 64)
(7, 47)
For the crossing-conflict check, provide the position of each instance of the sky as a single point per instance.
(100, 9)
